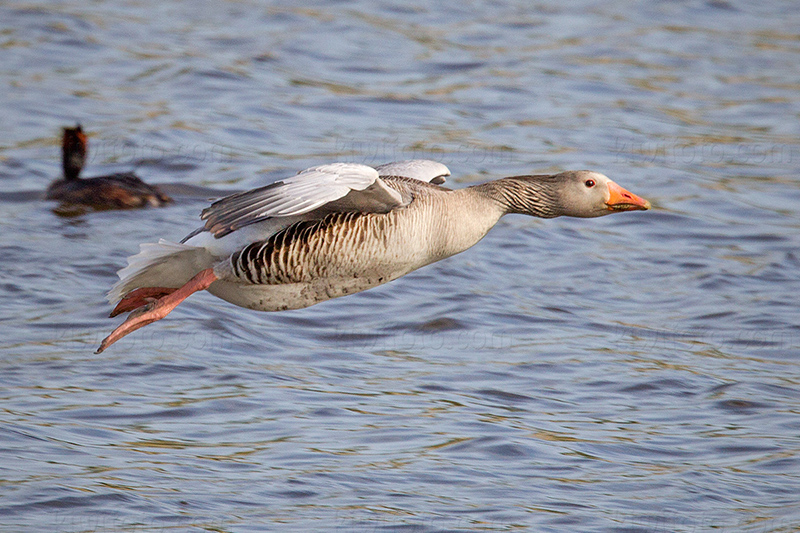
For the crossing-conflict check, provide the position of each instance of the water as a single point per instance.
(634, 373)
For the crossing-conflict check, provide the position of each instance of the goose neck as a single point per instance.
(526, 195)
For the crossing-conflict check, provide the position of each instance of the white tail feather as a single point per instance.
(162, 264)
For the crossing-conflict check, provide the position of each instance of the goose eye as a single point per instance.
(589, 183)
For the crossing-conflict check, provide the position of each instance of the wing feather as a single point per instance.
(311, 189)
(418, 169)
(327, 188)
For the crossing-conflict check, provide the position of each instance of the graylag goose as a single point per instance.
(339, 229)
(115, 191)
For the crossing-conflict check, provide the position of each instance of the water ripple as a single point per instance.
(629, 373)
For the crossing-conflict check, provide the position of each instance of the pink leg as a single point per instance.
(158, 309)
(139, 297)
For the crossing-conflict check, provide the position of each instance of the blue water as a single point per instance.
(635, 373)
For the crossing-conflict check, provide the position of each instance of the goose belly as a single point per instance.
(285, 296)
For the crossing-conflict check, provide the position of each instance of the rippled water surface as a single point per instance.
(633, 373)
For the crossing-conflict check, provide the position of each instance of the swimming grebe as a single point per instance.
(115, 191)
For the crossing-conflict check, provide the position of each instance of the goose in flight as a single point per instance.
(339, 229)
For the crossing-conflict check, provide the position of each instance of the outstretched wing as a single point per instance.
(336, 187)
(418, 169)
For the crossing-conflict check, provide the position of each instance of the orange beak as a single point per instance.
(621, 200)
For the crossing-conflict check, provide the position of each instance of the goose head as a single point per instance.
(584, 193)
(577, 193)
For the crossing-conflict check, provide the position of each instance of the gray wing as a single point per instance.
(418, 169)
(334, 187)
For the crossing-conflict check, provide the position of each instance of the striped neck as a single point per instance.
(525, 195)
